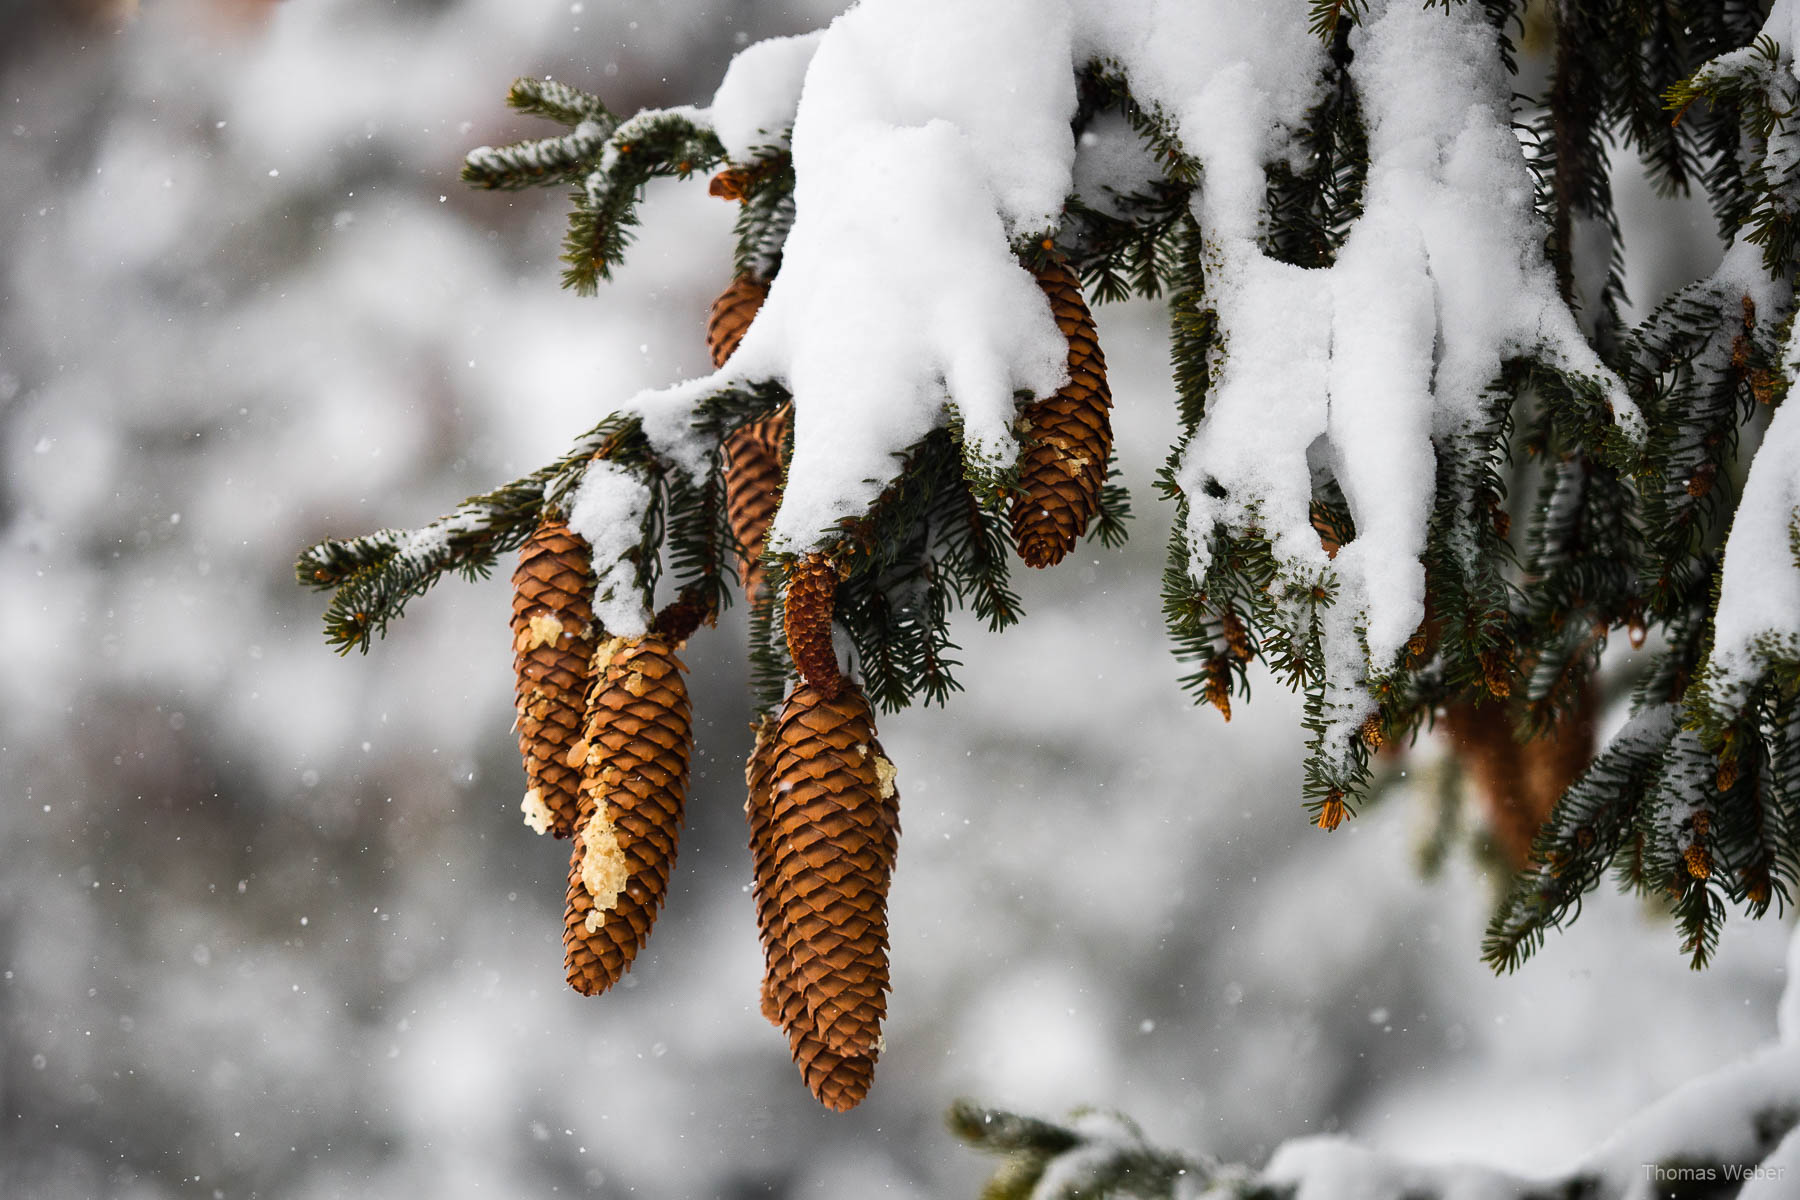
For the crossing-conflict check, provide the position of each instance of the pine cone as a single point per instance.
(553, 647)
(838, 1081)
(1068, 437)
(753, 452)
(633, 785)
(753, 463)
(806, 617)
(731, 315)
(759, 809)
(1519, 783)
(834, 825)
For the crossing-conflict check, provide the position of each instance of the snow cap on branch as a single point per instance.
(920, 158)
(757, 99)
(608, 510)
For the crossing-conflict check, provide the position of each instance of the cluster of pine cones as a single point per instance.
(606, 736)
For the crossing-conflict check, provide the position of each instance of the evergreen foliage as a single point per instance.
(1551, 527)
(1730, 1134)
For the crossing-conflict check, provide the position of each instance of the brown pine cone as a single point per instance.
(633, 785)
(759, 809)
(753, 468)
(753, 452)
(834, 825)
(1519, 783)
(553, 648)
(806, 618)
(1068, 437)
(838, 1081)
(731, 315)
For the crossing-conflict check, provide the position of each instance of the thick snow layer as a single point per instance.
(1330, 1168)
(1111, 163)
(608, 510)
(1712, 1123)
(1714, 1119)
(1759, 590)
(757, 99)
(900, 305)
(1440, 280)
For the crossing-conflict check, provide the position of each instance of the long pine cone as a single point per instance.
(753, 451)
(553, 648)
(753, 477)
(731, 315)
(1068, 437)
(639, 738)
(759, 775)
(1519, 783)
(807, 609)
(838, 1081)
(830, 825)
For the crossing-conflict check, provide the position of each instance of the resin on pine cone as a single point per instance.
(807, 608)
(553, 648)
(834, 827)
(634, 762)
(1067, 438)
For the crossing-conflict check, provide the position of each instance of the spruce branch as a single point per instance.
(651, 145)
(543, 161)
(1329, 19)
(1731, 1126)
(764, 189)
(560, 102)
(374, 576)
(1096, 1154)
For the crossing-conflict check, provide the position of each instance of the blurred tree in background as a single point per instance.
(268, 921)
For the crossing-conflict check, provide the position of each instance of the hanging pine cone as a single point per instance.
(833, 828)
(553, 648)
(838, 1081)
(753, 451)
(753, 469)
(807, 608)
(633, 784)
(1068, 437)
(731, 315)
(1518, 784)
(759, 775)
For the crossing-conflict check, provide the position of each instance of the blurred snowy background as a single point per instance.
(269, 922)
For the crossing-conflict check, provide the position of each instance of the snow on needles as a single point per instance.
(608, 511)
(756, 101)
(1759, 587)
(929, 135)
(1758, 617)
(917, 158)
(1361, 363)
